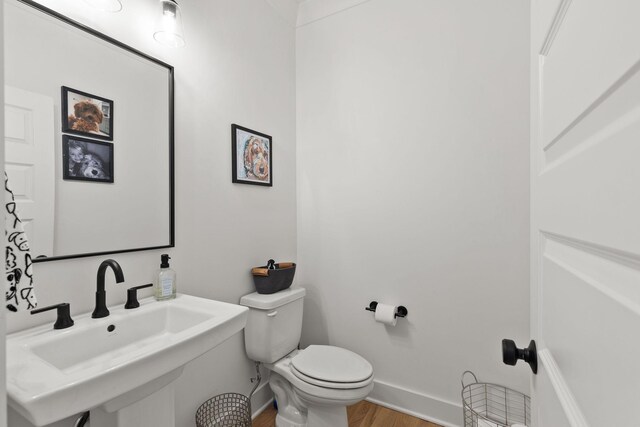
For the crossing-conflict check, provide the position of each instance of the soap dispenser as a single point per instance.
(166, 282)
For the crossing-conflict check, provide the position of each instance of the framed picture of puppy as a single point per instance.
(86, 159)
(252, 156)
(86, 114)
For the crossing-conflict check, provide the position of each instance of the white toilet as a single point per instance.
(312, 386)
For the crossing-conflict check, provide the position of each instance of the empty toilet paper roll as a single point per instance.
(386, 314)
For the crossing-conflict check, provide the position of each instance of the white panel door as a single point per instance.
(586, 212)
(30, 164)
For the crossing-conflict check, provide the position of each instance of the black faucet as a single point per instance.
(101, 296)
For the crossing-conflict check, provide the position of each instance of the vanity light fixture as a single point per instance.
(169, 30)
(105, 5)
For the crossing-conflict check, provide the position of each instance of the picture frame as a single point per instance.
(86, 159)
(252, 156)
(85, 114)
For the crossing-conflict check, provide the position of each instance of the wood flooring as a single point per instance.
(362, 414)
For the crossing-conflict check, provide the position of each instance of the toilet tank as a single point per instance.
(274, 324)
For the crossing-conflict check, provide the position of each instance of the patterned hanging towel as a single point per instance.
(19, 282)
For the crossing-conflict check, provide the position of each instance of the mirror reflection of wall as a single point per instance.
(114, 104)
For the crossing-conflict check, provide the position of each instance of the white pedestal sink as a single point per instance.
(120, 367)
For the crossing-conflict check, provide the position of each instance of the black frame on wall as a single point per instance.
(105, 162)
(64, 106)
(238, 152)
(170, 71)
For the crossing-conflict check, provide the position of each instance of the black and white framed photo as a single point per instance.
(86, 114)
(252, 156)
(86, 159)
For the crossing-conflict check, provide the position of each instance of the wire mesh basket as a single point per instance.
(225, 410)
(492, 405)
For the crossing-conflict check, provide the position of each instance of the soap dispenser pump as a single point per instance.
(166, 281)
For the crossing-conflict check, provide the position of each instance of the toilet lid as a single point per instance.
(332, 364)
(329, 384)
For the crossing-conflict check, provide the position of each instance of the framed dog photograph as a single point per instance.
(86, 159)
(86, 114)
(252, 156)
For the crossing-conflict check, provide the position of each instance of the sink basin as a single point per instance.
(53, 374)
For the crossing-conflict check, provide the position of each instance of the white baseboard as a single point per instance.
(261, 399)
(439, 411)
(429, 408)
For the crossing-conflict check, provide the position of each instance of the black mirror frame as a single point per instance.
(170, 70)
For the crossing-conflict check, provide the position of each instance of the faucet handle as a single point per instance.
(132, 296)
(64, 319)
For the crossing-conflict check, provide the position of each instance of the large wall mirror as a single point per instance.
(88, 137)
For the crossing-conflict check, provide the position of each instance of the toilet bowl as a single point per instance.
(312, 386)
(319, 400)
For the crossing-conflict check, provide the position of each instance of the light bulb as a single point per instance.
(169, 30)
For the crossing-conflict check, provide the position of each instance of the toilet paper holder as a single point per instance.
(401, 311)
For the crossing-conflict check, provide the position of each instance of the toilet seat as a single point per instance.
(326, 384)
(331, 367)
(326, 394)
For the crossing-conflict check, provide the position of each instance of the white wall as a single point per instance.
(412, 133)
(238, 67)
(3, 382)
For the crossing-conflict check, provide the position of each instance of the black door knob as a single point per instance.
(511, 354)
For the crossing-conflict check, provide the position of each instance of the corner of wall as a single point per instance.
(287, 9)
(314, 10)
